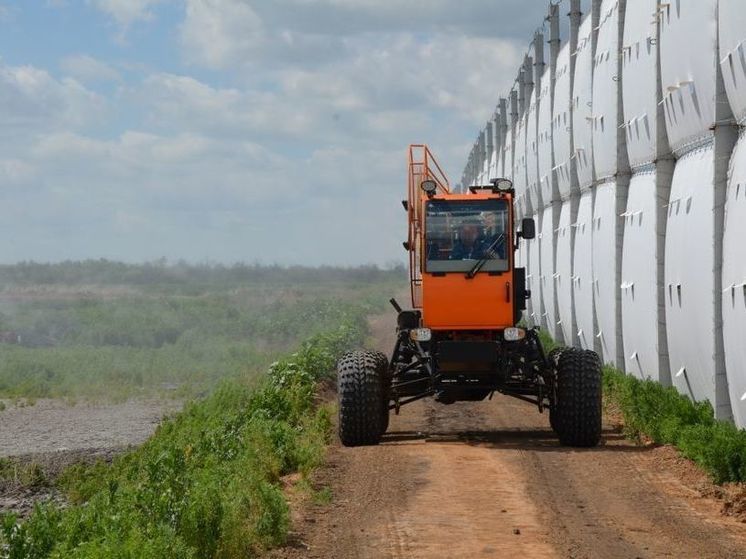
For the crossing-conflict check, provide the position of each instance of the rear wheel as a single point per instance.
(360, 393)
(576, 417)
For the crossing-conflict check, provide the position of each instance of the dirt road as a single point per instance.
(490, 480)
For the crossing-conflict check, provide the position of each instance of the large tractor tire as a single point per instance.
(577, 415)
(360, 393)
(382, 362)
(553, 357)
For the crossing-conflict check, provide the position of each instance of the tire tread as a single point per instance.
(579, 403)
(360, 392)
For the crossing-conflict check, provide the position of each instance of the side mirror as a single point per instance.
(528, 228)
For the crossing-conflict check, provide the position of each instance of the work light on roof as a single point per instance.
(502, 184)
(429, 187)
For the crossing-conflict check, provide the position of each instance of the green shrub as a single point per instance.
(207, 483)
(667, 417)
(33, 539)
(132, 342)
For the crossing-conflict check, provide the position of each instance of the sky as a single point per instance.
(224, 131)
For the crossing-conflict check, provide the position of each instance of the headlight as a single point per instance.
(420, 334)
(514, 334)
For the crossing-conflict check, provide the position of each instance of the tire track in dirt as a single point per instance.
(489, 479)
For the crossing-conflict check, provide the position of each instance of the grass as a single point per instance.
(661, 414)
(207, 484)
(19, 474)
(173, 329)
(667, 417)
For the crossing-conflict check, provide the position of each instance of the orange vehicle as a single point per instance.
(462, 339)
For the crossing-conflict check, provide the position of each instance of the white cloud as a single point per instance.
(290, 148)
(88, 69)
(15, 171)
(32, 100)
(507, 18)
(126, 12)
(218, 33)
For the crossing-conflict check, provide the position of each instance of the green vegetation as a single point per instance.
(109, 330)
(547, 342)
(27, 475)
(207, 484)
(184, 278)
(665, 416)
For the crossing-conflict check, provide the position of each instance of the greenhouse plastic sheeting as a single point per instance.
(639, 278)
(549, 192)
(534, 270)
(689, 289)
(532, 156)
(583, 271)
(492, 174)
(562, 123)
(605, 268)
(506, 157)
(666, 304)
(485, 170)
(563, 273)
(639, 84)
(732, 28)
(547, 273)
(688, 53)
(582, 102)
(734, 283)
(605, 92)
(519, 168)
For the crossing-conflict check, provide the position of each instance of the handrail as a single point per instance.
(422, 166)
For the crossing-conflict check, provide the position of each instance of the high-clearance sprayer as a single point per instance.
(461, 340)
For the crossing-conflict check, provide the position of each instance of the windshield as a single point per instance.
(458, 234)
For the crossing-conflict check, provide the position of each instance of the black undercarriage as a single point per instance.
(468, 366)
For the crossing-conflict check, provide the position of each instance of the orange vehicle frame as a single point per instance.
(451, 301)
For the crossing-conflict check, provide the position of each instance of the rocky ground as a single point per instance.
(38, 440)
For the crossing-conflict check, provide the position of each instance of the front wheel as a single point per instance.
(553, 358)
(382, 362)
(576, 417)
(360, 389)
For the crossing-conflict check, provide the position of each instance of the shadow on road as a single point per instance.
(542, 440)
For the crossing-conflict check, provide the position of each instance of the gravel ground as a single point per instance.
(52, 435)
(53, 425)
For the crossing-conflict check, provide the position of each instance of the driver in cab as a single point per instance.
(472, 244)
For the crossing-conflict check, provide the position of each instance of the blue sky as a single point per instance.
(237, 130)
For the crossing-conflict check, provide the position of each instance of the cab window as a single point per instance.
(460, 233)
